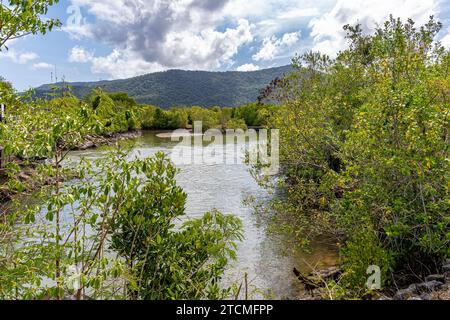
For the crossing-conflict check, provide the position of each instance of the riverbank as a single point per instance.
(28, 177)
(95, 141)
(27, 180)
(434, 287)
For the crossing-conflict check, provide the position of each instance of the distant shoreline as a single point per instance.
(174, 134)
(187, 133)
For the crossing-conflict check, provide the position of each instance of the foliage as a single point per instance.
(249, 113)
(235, 124)
(209, 118)
(20, 18)
(179, 118)
(115, 225)
(6, 92)
(152, 117)
(122, 98)
(169, 264)
(37, 130)
(74, 239)
(365, 151)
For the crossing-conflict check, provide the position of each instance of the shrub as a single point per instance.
(364, 150)
(236, 124)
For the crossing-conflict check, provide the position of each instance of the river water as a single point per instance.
(262, 255)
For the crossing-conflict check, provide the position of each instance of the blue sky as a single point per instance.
(113, 39)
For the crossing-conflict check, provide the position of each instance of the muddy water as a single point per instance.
(224, 187)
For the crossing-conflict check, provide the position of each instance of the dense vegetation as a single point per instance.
(110, 233)
(250, 115)
(365, 153)
(107, 229)
(117, 112)
(178, 88)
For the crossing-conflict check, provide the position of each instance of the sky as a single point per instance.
(115, 39)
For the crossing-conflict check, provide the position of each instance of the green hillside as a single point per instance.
(185, 88)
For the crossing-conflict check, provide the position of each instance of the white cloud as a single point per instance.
(270, 9)
(123, 65)
(296, 13)
(42, 65)
(207, 50)
(118, 64)
(211, 34)
(247, 67)
(327, 32)
(273, 46)
(276, 17)
(80, 55)
(78, 32)
(19, 57)
(169, 34)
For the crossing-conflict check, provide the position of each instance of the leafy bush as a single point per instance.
(166, 263)
(249, 113)
(236, 124)
(123, 99)
(209, 118)
(116, 226)
(365, 150)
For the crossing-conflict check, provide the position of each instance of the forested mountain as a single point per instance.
(185, 88)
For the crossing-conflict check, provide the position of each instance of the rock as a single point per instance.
(309, 282)
(447, 276)
(446, 266)
(318, 279)
(331, 274)
(414, 298)
(404, 294)
(87, 145)
(435, 277)
(418, 288)
(426, 287)
(91, 141)
(425, 296)
(413, 288)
